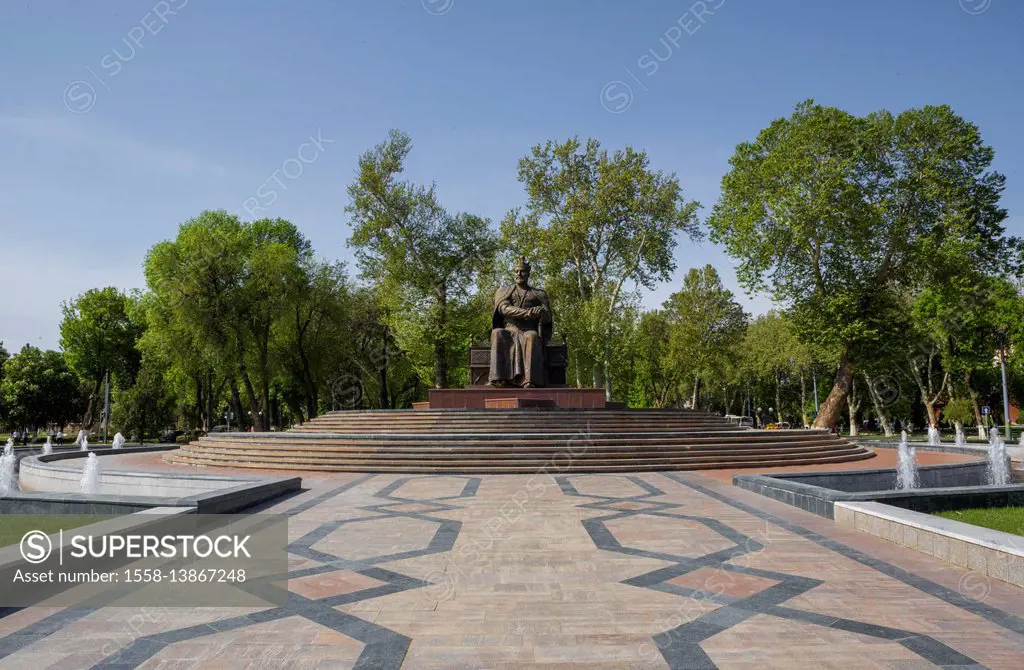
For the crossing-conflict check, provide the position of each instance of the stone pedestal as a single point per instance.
(484, 397)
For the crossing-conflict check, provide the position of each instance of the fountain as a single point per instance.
(47, 447)
(906, 472)
(961, 439)
(90, 483)
(934, 437)
(85, 443)
(998, 469)
(8, 478)
(118, 441)
(82, 439)
(9, 447)
(1020, 442)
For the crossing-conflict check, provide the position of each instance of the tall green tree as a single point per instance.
(774, 355)
(99, 337)
(221, 286)
(379, 373)
(705, 325)
(599, 224)
(838, 216)
(39, 388)
(314, 337)
(423, 261)
(146, 407)
(654, 383)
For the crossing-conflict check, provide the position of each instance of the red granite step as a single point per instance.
(519, 468)
(518, 440)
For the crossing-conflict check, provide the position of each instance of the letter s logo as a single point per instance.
(36, 546)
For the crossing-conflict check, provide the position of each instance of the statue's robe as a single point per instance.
(518, 341)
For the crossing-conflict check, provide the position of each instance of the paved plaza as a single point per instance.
(651, 570)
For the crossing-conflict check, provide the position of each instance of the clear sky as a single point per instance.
(116, 124)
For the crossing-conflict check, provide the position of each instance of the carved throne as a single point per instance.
(556, 360)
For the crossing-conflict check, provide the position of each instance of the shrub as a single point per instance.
(959, 410)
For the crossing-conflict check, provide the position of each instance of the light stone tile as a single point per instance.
(958, 552)
(977, 558)
(997, 564)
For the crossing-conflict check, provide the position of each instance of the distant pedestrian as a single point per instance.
(60, 437)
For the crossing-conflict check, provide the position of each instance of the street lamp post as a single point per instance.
(814, 378)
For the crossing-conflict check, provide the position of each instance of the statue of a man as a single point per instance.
(521, 327)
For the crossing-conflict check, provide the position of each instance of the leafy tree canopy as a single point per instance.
(839, 216)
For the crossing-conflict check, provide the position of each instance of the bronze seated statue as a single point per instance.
(520, 353)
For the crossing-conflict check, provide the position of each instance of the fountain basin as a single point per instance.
(944, 487)
(50, 487)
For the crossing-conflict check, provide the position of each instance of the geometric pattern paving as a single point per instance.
(333, 581)
(742, 592)
(644, 570)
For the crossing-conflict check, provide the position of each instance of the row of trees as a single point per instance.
(880, 238)
(702, 350)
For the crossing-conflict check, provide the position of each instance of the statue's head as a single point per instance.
(521, 270)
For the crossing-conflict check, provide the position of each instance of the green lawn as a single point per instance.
(14, 526)
(1006, 519)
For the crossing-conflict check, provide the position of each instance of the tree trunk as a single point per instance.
(199, 425)
(933, 415)
(236, 404)
(803, 399)
(876, 402)
(264, 380)
(978, 420)
(210, 419)
(853, 404)
(440, 354)
(606, 373)
(267, 415)
(778, 397)
(929, 396)
(312, 401)
(88, 418)
(250, 392)
(385, 397)
(696, 390)
(828, 413)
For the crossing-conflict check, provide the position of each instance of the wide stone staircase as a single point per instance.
(518, 441)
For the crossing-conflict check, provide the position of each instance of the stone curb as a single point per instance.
(990, 552)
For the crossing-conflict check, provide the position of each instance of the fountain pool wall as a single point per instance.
(991, 552)
(48, 474)
(49, 487)
(943, 487)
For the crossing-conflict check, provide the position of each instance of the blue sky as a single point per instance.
(117, 124)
